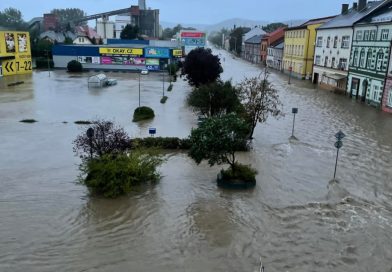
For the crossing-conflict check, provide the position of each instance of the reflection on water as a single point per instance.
(295, 219)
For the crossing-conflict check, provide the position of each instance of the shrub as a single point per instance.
(170, 88)
(143, 113)
(42, 63)
(112, 176)
(161, 143)
(241, 172)
(74, 66)
(163, 99)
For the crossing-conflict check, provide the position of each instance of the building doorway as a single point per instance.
(354, 87)
(364, 90)
(315, 78)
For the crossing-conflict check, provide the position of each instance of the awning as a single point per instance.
(336, 77)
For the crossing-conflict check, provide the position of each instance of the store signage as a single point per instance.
(193, 41)
(193, 35)
(152, 62)
(154, 52)
(177, 53)
(121, 51)
(122, 60)
(152, 67)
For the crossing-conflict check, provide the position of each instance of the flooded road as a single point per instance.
(294, 219)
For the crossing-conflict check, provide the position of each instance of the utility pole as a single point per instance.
(163, 84)
(139, 88)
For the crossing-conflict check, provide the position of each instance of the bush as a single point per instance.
(170, 88)
(112, 176)
(163, 99)
(143, 113)
(161, 143)
(241, 172)
(42, 63)
(74, 66)
(172, 69)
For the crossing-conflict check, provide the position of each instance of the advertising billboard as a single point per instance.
(188, 34)
(121, 60)
(152, 62)
(177, 53)
(15, 47)
(156, 52)
(121, 51)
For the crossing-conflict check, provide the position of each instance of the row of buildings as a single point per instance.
(349, 53)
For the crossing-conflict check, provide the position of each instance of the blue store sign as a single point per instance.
(152, 67)
(156, 52)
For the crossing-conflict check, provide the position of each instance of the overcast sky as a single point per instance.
(193, 11)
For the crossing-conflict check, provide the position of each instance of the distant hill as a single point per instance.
(229, 24)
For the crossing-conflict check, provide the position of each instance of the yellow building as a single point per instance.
(15, 53)
(299, 43)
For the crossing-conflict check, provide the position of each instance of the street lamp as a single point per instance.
(294, 111)
(338, 144)
(163, 83)
(90, 135)
(139, 87)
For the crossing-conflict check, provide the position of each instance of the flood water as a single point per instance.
(294, 220)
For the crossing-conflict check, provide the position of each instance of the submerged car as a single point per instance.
(144, 72)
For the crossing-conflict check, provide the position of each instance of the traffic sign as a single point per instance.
(339, 144)
(340, 135)
(294, 110)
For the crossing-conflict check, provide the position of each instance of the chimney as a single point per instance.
(361, 4)
(355, 6)
(344, 8)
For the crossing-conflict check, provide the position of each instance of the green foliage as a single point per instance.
(241, 172)
(94, 40)
(11, 18)
(170, 88)
(41, 48)
(272, 27)
(42, 63)
(129, 32)
(201, 67)
(163, 99)
(235, 39)
(172, 69)
(161, 143)
(74, 66)
(216, 37)
(68, 40)
(69, 15)
(113, 176)
(217, 139)
(143, 113)
(214, 99)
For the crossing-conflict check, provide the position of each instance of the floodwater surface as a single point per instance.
(294, 220)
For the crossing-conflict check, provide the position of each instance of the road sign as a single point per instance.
(294, 110)
(340, 135)
(152, 131)
(339, 144)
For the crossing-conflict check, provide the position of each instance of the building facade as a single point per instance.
(268, 39)
(298, 55)
(333, 46)
(251, 33)
(275, 56)
(369, 58)
(253, 49)
(386, 104)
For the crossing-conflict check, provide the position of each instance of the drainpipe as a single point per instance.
(348, 62)
(386, 77)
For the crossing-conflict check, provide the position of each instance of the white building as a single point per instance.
(105, 29)
(334, 43)
(275, 56)
(257, 31)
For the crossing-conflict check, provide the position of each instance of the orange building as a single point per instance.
(269, 39)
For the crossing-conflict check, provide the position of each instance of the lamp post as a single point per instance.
(338, 144)
(163, 83)
(47, 55)
(294, 111)
(139, 87)
(291, 67)
(90, 135)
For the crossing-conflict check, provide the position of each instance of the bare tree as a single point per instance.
(260, 100)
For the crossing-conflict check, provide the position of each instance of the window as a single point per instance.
(335, 42)
(318, 60)
(326, 62)
(319, 42)
(380, 58)
(389, 102)
(355, 58)
(345, 41)
(333, 63)
(369, 59)
(362, 58)
(359, 35)
(384, 34)
(342, 64)
(373, 35)
(328, 41)
(366, 35)
(375, 93)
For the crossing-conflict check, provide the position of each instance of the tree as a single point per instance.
(107, 139)
(201, 67)
(74, 66)
(69, 15)
(12, 18)
(214, 99)
(236, 38)
(129, 32)
(94, 40)
(217, 139)
(260, 100)
(272, 27)
(216, 37)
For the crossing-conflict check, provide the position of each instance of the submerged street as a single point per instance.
(294, 220)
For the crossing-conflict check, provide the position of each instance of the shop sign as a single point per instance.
(121, 60)
(152, 67)
(193, 35)
(121, 51)
(152, 62)
(177, 53)
(193, 41)
(154, 52)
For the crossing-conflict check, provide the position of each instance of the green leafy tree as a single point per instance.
(12, 18)
(216, 37)
(235, 39)
(272, 27)
(69, 15)
(215, 99)
(201, 67)
(260, 100)
(129, 32)
(217, 139)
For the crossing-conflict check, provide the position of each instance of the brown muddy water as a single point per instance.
(294, 219)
